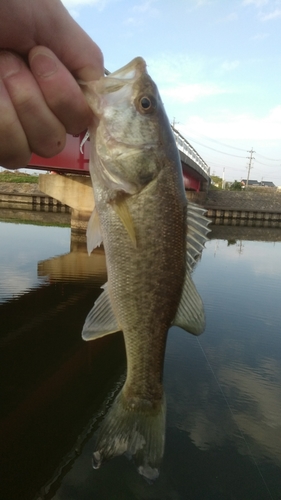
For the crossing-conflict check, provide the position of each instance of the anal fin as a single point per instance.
(101, 320)
(190, 314)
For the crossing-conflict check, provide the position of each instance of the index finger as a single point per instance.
(61, 91)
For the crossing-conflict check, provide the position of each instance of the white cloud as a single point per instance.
(256, 3)
(71, 4)
(170, 70)
(200, 3)
(145, 7)
(237, 127)
(271, 15)
(259, 4)
(130, 20)
(230, 65)
(233, 16)
(140, 11)
(74, 13)
(260, 36)
(181, 79)
(185, 93)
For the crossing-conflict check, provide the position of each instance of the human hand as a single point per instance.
(40, 99)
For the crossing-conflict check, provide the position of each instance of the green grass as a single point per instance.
(19, 177)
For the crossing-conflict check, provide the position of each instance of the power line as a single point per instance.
(228, 146)
(270, 166)
(222, 144)
(217, 151)
(266, 158)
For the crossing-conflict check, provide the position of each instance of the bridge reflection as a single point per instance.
(48, 373)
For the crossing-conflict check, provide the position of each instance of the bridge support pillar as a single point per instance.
(73, 190)
(79, 220)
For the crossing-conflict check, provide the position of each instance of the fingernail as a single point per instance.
(9, 64)
(43, 65)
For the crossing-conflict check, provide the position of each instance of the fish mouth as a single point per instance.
(130, 72)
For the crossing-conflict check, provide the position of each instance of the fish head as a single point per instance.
(133, 132)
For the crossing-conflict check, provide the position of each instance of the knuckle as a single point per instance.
(10, 64)
(26, 101)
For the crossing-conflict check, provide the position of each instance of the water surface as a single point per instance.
(223, 388)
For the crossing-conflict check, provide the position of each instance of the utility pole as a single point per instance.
(223, 179)
(174, 123)
(251, 158)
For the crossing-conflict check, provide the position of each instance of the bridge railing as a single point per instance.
(184, 146)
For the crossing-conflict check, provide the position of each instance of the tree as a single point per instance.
(236, 186)
(216, 182)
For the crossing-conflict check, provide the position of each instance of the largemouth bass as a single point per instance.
(151, 239)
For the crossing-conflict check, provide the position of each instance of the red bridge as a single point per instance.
(196, 172)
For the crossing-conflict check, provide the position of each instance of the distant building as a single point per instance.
(268, 184)
(257, 184)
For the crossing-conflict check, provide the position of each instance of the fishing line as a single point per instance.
(232, 414)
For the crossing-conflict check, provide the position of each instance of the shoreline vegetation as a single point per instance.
(18, 177)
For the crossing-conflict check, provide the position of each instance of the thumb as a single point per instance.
(76, 50)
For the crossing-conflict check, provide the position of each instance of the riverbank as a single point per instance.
(252, 207)
(20, 188)
(28, 196)
(24, 202)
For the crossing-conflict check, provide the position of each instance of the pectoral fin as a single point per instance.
(101, 320)
(121, 209)
(94, 237)
(190, 315)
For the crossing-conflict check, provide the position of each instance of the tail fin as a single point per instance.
(137, 429)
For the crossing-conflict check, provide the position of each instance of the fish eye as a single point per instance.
(147, 104)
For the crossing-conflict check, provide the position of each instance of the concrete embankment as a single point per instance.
(24, 201)
(27, 195)
(242, 208)
(239, 208)
(250, 208)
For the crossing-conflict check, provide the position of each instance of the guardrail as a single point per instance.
(184, 146)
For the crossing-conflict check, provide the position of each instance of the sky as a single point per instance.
(217, 64)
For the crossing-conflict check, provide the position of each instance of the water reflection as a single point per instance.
(223, 388)
(21, 247)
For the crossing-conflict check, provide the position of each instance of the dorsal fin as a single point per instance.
(190, 314)
(197, 230)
